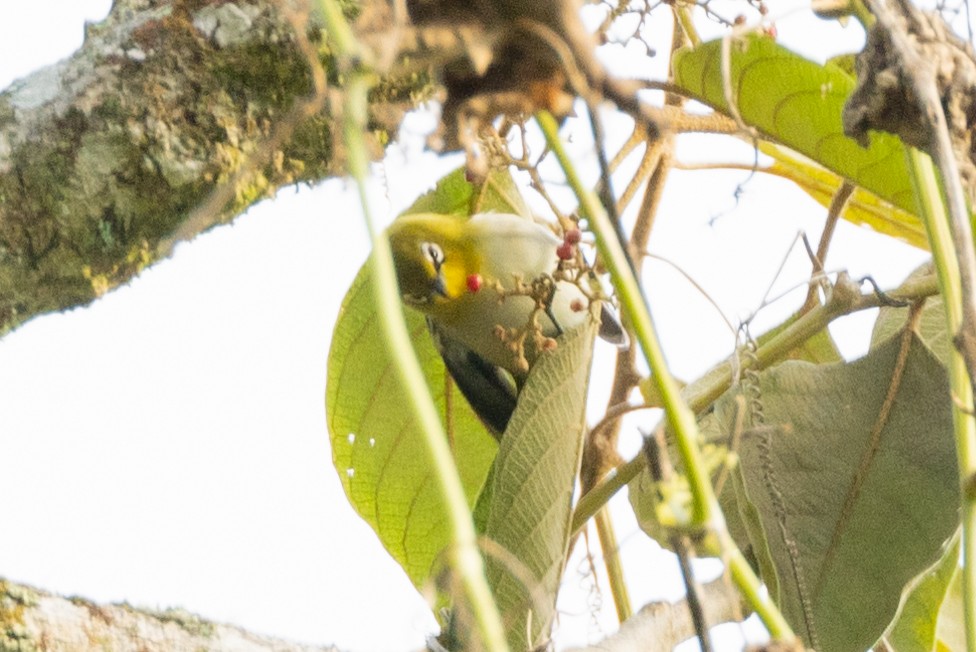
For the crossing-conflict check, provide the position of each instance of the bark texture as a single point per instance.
(175, 115)
(33, 620)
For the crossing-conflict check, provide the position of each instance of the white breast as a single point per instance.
(528, 247)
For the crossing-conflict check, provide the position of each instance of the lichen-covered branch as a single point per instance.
(169, 107)
(31, 620)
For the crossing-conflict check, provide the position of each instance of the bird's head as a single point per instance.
(434, 260)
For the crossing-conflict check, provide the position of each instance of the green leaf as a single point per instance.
(377, 449)
(951, 630)
(651, 501)
(915, 629)
(843, 557)
(532, 490)
(931, 324)
(752, 521)
(453, 195)
(798, 103)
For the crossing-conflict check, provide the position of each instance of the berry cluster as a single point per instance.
(567, 250)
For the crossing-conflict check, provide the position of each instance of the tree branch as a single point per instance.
(169, 106)
(659, 626)
(33, 619)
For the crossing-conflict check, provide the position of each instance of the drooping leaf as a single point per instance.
(377, 449)
(844, 549)
(532, 489)
(748, 514)
(862, 207)
(915, 629)
(798, 103)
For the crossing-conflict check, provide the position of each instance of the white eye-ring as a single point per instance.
(433, 252)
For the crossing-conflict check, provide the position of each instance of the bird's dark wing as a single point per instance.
(490, 390)
(611, 329)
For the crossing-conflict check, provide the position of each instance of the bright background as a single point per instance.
(167, 445)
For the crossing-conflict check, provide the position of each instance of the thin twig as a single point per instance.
(836, 209)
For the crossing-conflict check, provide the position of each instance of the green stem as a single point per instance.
(464, 555)
(611, 561)
(596, 498)
(933, 211)
(680, 418)
(682, 13)
(745, 579)
(706, 512)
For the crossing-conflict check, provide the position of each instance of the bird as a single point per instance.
(497, 290)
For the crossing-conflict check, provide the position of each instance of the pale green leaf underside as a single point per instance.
(532, 489)
(853, 555)
(377, 449)
(798, 103)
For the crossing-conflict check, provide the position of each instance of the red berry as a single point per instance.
(566, 251)
(577, 306)
(573, 236)
(474, 282)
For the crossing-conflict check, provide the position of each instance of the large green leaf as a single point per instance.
(532, 489)
(917, 626)
(843, 556)
(650, 501)
(377, 448)
(454, 195)
(798, 103)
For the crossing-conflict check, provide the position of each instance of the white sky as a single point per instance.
(167, 445)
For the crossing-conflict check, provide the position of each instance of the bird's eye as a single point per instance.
(433, 253)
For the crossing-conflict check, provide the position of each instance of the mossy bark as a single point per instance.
(174, 116)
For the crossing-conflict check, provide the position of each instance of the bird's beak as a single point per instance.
(438, 286)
